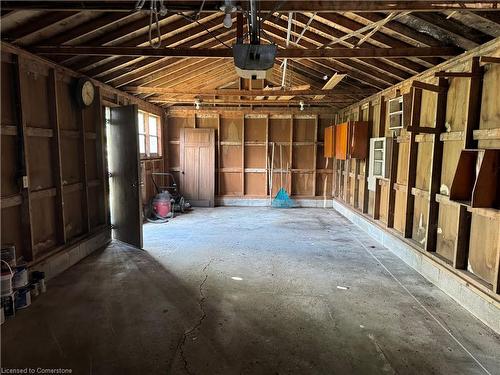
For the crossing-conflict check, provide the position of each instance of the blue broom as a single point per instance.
(282, 199)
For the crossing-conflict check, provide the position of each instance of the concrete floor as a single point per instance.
(249, 291)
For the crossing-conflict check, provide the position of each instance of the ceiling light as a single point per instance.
(197, 103)
(228, 8)
(301, 103)
(325, 77)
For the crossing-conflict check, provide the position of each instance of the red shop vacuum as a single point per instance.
(167, 201)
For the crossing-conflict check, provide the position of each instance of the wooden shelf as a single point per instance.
(477, 179)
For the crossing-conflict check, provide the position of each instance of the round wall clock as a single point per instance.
(85, 92)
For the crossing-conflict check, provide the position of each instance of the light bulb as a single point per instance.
(301, 103)
(228, 21)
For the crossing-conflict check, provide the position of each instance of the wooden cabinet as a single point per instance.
(329, 151)
(351, 140)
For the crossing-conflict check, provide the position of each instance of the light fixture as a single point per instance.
(228, 8)
(197, 103)
(325, 77)
(301, 103)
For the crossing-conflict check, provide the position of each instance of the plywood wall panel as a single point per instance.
(68, 111)
(279, 129)
(420, 212)
(230, 183)
(451, 154)
(255, 129)
(96, 207)
(303, 157)
(40, 161)
(303, 129)
(231, 129)
(70, 157)
(36, 91)
(302, 184)
(9, 165)
(424, 158)
(447, 231)
(8, 100)
(44, 227)
(11, 232)
(324, 185)
(255, 184)
(255, 157)
(174, 156)
(484, 247)
(230, 157)
(91, 156)
(490, 113)
(400, 211)
(73, 210)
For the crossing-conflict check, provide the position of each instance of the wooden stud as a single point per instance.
(436, 166)
(315, 173)
(393, 175)
(461, 251)
(83, 173)
(366, 192)
(21, 103)
(102, 158)
(56, 155)
(218, 155)
(243, 155)
(412, 162)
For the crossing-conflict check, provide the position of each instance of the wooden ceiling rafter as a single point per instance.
(198, 35)
(266, 6)
(314, 40)
(319, 30)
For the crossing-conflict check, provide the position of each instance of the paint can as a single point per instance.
(20, 279)
(22, 298)
(39, 277)
(7, 303)
(35, 289)
(8, 254)
(6, 280)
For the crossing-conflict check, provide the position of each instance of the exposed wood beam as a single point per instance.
(290, 53)
(264, 6)
(232, 92)
(245, 101)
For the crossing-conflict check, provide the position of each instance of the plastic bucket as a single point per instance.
(20, 279)
(8, 254)
(22, 298)
(6, 281)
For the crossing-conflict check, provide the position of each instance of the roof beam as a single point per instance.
(233, 92)
(289, 53)
(264, 6)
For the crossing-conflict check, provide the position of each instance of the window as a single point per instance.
(149, 135)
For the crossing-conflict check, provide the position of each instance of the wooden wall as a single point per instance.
(59, 148)
(413, 202)
(244, 143)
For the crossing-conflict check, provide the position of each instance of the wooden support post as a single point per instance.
(366, 192)
(289, 169)
(243, 155)
(268, 159)
(101, 146)
(436, 166)
(315, 155)
(217, 172)
(376, 205)
(83, 174)
(56, 156)
(393, 176)
(496, 277)
(412, 162)
(21, 103)
(461, 251)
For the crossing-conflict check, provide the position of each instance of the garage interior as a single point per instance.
(250, 187)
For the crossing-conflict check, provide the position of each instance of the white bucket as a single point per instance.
(23, 298)
(6, 281)
(20, 278)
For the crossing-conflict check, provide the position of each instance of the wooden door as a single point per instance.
(123, 159)
(198, 166)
